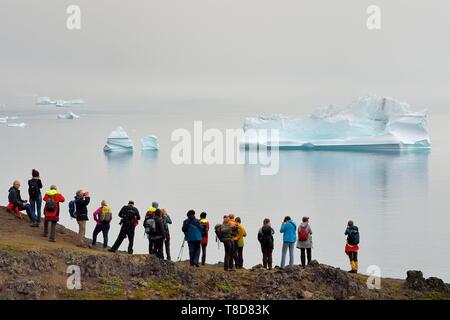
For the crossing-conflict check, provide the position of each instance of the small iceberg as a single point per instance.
(3, 119)
(369, 123)
(68, 103)
(118, 141)
(17, 125)
(149, 143)
(45, 101)
(68, 116)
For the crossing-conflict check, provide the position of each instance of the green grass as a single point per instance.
(167, 288)
(112, 287)
(224, 286)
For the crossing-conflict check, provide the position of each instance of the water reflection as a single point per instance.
(118, 160)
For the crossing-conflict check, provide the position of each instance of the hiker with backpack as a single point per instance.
(289, 231)
(102, 217)
(204, 242)
(193, 231)
(265, 238)
(351, 247)
(17, 204)
(156, 233)
(82, 200)
(167, 220)
(34, 191)
(52, 200)
(149, 227)
(130, 217)
(240, 244)
(304, 242)
(224, 234)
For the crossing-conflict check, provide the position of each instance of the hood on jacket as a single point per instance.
(10, 189)
(52, 192)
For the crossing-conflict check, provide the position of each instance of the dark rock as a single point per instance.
(415, 280)
(436, 284)
(313, 264)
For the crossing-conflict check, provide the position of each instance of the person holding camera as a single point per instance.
(193, 231)
(130, 217)
(82, 199)
(289, 231)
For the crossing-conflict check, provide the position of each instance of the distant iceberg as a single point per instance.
(68, 116)
(68, 103)
(118, 140)
(45, 101)
(3, 119)
(370, 122)
(17, 125)
(149, 143)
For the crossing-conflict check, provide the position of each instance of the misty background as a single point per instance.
(254, 51)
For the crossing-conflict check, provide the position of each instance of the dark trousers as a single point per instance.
(267, 256)
(52, 229)
(229, 252)
(167, 246)
(353, 256)
(302, 255)
(151, 246)
(158, 245)
(240, 260)
(204, 245)
(194, 252)
(104, 229)
(235, 253)
(28, 210)
(125, 232)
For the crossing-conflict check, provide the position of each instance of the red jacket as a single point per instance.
(58, 198)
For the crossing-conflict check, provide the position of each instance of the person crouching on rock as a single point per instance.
(52, 200)
(193, 230)
(17, 204)
(265, 238)
(130, 217)
(102, 217)
(352, 248)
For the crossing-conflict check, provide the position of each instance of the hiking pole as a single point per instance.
(181, 250)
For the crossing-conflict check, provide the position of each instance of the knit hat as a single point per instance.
(191, 213)
(34, 173)
(155, 205)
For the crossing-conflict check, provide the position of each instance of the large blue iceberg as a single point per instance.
(370, 122)
(118, 141)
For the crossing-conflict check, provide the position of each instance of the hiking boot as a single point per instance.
(45, 235)
(111, 250)
(52, 240)
(197, 265)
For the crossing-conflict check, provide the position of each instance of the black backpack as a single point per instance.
(33, 189)
(266, 235)
(50, 205)
(353, 236)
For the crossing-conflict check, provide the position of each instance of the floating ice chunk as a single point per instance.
(45, 101)
(68, 116)
(369, 122)
(149, 143)
(3, 119)
(118, 140)
(68, 103)
(17, 125)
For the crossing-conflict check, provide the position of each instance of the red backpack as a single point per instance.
(303, 234)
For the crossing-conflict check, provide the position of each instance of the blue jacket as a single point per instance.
(289, 231)
(192, 229)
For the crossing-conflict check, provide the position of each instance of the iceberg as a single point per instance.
(149, 143)
(17, 125)
(68, 103)
(118, 140)
(3, 119)
(68, 116)
(370, 122)
(45, 101)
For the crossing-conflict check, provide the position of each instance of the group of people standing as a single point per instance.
(156, 223)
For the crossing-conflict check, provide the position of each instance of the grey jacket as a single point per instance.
(308, 243)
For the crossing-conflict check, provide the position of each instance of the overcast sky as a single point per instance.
(225, 48)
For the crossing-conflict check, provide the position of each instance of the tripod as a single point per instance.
(180, 255)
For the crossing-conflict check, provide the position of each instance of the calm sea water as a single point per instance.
(399, 200)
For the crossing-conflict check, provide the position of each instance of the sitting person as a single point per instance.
(17, 204)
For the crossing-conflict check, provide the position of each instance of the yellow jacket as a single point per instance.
(242, 233)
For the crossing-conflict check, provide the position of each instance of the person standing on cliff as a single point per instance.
(204, 242)
(304, 242)
(351, 247)
(130, 217)
(265, 238)
(102, 217)
(52, 200)
(82, 200)
(34, 191)
(240, 244)
(193, 231)
(289, 230)
(167, 220)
